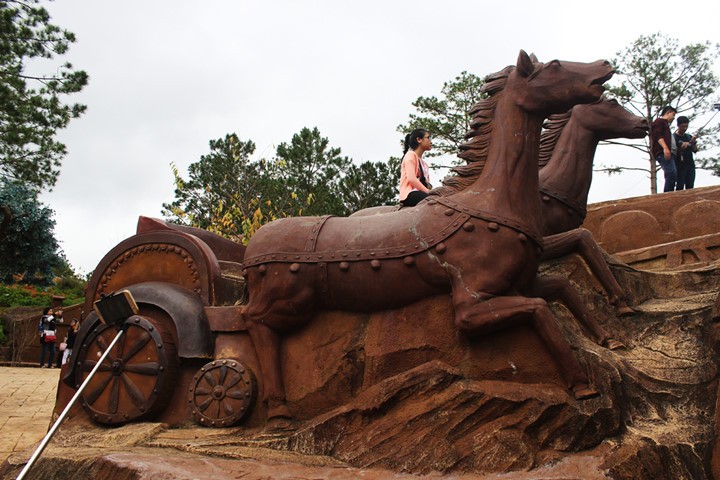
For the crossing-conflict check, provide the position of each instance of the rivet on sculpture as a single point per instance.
(491, 273)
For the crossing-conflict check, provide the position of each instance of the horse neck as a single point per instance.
(508, 185)
(569, 170)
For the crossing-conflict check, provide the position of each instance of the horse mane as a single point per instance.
(475, 150)
(552, 129)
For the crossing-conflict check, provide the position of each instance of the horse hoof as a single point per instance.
(584, 392)
(279, 411)
(612, 344)
(279, 424)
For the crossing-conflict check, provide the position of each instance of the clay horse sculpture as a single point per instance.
(482, 244)
(567, 150)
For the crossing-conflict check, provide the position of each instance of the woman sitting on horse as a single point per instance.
(414, 172)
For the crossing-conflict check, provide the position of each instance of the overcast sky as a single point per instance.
(166, 77)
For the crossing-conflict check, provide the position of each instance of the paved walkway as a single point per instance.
(27, 397)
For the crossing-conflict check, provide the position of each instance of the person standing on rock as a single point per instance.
(684, 161)
(661, 145)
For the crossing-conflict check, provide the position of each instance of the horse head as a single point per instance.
(608, 119)
(530, 86)
(557, 86)
(567, 150)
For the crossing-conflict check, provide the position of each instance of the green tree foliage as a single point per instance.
(29, 250)
(229, 194)
(31, 110)
(232, 195)
(225, 172)
(709, 144)
(67, 282)
(446, 118)
(656, 71)
(370, 184)
(309, 166)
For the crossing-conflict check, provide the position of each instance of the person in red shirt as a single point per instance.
(661, 145)
(414, 172)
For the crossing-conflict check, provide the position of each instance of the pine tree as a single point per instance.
(31, 108)
(655, 71)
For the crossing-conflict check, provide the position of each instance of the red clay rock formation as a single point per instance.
(401, 391)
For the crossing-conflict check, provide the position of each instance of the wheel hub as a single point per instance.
(218, 392)
(116, 367)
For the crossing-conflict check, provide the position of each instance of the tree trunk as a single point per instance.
(653, 175)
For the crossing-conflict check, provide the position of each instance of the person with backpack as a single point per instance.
(48, 332)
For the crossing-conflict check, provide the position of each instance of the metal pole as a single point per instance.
(62, 416)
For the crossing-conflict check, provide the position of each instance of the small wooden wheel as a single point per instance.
(137, 377)
(222, 393)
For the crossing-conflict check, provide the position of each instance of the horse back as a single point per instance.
(353, 239)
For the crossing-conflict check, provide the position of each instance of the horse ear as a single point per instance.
(534, 58)
(524, 64)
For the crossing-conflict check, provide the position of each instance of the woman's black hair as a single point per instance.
(412, 139)
(46, 310)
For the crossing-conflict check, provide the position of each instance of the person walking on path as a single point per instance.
(661, 144)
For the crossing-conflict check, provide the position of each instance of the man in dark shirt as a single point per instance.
(661, 143)
(684, 161)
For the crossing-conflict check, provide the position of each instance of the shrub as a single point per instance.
(28, 295)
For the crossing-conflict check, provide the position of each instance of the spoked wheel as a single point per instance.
(222, 393)
(136, 379)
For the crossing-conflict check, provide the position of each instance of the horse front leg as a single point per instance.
(267, 348)
(581, 241)
(476, 315)
(557, 287)
(275, 305)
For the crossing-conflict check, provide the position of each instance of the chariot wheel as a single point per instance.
(222, 393)
(137, 377)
